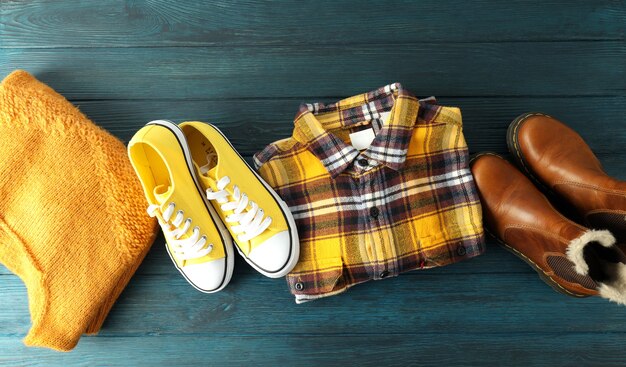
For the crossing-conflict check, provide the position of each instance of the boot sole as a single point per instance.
(512, 142)
(542, 275)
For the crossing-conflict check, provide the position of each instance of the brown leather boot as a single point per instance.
(557, 157)
(571, 258)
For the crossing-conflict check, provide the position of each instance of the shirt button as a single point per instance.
(299, 286)
(384, 274)
(374, 212)
(461, 251)
(362, 162)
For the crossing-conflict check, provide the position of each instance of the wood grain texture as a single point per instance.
(388, 349)
(485, 119)
(442, 69)
(51, 23)
(246, 66)
(429, 301)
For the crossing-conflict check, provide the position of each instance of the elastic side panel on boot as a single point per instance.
(614, 222)
(565, 269)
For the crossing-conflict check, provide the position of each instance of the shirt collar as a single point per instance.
(314, 123)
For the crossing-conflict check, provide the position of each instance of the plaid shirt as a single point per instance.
(408, 201)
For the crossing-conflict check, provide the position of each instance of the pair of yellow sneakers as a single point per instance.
(206, 197)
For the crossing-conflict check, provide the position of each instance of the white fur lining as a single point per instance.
(576, 246)
(614, 291)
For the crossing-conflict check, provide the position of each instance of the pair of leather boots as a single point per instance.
(577, 260)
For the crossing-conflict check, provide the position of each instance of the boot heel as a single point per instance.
(615, 222)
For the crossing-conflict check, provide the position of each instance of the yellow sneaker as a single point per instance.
(199, 245)
(261, 224)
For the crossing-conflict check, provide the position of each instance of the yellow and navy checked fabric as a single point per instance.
(406, 202)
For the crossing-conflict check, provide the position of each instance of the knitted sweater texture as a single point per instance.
(73, 224)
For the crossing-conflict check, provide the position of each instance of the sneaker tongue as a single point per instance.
(210, 165)
(208, 178)
(162, 193)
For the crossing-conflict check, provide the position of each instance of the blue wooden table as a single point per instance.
(246, 66)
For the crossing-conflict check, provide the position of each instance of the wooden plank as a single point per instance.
(463, 348)
(443, 69)
(599, 120)
(49, 23)
(252, 304)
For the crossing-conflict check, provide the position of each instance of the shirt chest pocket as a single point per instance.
(317, 277)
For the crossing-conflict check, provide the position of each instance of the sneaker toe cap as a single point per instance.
(208, 276)
(274, 253)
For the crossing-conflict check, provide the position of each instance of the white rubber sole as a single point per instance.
(295, 243)
(228, 244)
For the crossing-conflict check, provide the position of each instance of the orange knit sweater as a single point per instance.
(73, 224)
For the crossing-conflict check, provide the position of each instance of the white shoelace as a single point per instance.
(246, 213)
(189, 248)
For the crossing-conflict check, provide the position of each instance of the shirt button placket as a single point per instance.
(374, 212)
(376, 219)
(362, 189)
(368, 214)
